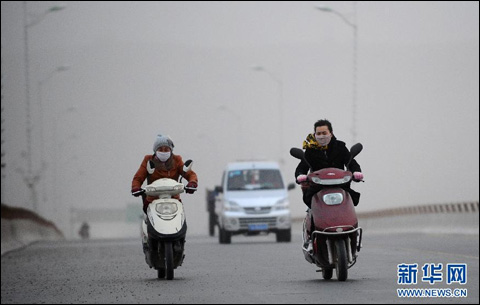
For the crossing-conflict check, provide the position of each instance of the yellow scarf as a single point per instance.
(311, 142)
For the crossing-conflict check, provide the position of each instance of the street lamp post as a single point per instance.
(40, 104)
(30, 178)
(279, 82)
(56, 147)
(355, 37)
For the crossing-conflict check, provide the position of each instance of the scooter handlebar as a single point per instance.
(142, 191)
(190, 190)
(138, 193)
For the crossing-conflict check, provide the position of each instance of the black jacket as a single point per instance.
(337, 155)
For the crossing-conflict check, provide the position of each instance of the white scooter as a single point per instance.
(164, 228)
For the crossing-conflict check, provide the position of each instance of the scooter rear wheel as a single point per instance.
(327, 273)
(161, 273)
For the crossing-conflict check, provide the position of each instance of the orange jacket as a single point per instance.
(174, 173)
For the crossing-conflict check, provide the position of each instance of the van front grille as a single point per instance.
(270, 221)
(258, 210)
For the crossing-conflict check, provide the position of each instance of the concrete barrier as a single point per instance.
(20, 227)
(433, 223)
(447, 208)
(449, 218)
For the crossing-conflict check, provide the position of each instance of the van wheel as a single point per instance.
(224, 237)
(284, 235)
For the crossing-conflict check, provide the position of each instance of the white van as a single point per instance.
(251, 200)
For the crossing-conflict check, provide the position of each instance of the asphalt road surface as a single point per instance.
(250, 270)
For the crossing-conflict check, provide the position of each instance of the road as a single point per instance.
(250, 270)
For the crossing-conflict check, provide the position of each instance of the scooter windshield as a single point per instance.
(330, 176)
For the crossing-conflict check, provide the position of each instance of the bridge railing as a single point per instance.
(446, 208)
(462, 207)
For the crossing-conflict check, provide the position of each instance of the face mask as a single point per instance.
(163, 156)
(323, 140)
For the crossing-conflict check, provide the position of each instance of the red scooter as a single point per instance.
(331, 222)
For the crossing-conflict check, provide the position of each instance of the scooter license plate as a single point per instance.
(258, 227)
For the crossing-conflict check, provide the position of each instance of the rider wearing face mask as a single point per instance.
(162, 164)
(323, 150)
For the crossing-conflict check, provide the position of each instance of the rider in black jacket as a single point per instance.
(322, 150)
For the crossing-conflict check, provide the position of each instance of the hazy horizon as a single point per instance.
(137, 69)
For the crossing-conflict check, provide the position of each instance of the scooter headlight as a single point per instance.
(166, 208)
(333, 198)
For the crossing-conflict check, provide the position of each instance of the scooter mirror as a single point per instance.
(187, 166)
(297, 153)
(355, 150)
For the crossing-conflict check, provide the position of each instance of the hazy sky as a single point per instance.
(184, 69)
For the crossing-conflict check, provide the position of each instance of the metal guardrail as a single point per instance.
(463, 207)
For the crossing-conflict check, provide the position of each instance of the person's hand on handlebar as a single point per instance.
(136, 191)
(357, 176)
(191, 187)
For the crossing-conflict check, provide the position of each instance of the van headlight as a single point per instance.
(333, 198)
(281, 205)
(232, 206)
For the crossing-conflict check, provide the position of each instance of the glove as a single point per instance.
(191, 184)
(357, 176)
(136, 189)
(301, 178)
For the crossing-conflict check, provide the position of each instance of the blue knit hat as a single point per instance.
(161, 140)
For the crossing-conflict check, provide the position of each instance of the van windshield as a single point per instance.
(254, 179)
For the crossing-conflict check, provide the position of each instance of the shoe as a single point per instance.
(310, 246)
(145, 247)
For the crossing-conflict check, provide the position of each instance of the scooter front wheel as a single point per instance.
(169, 260)
(341, 265)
